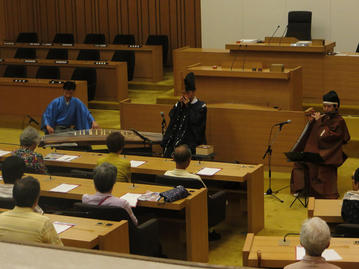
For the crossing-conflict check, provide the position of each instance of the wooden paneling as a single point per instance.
(180, 20)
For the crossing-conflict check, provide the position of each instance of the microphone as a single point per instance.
(31, 119)
(284, 32)
(275, 31)
(284, 241)
(280, 124)
(163, 124)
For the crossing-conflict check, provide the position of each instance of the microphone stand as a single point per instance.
(269, 154)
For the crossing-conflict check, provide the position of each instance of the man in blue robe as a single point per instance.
(66, 112)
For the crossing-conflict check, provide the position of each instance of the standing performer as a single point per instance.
(325, 134)
(187, 121)
(66, 112)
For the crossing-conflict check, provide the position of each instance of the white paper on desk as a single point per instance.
(62, 226)
(208, 171)
(328, 254)
(136, 163)
(67, 158)
(4, 152)
(64, 188)
(131, 198)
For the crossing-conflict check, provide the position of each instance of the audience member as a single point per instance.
(182, 156)
(350, 207)
(12, 169)
(29, 139)
(115, 143)
(315, 238)
(105, 179)
(22, 223)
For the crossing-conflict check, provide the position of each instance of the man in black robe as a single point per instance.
(187, 121)
(326, 134)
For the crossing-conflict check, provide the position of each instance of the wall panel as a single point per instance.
(179, 19)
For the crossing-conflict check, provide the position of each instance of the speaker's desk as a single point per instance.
(91, 233)
(21, 97)
(195, 207)
(273, 255)
(148, 59)
(320, 71)
(235, 84)
(326, 209)
(111, 81)
(251, 175)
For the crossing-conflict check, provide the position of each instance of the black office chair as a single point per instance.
(57, 54)
(124, 40)
(27, 37)
(159, 40)
(95, 39)
(144, 238)
(126, 56)
(89, 55)
(300, 25)
(25, 53)
(346, 230)
(8, 203)
(216, 201)
(15, 71)
(63, 38)
(88, 74)
(48, 72)
(357, 48)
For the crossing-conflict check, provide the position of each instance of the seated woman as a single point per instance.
(29, 139)
(105, 179)
(350, 207)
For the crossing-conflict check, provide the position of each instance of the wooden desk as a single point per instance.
(326, 209)
(90, 233)
(32, 97)
(148, 59)
(251, 174)
(320, 71)
(277, 256)
(111, 84)
(265, 88)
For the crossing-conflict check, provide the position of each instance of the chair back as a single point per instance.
(300, 25)
(124, 39)
(357, 48)
(27, 37)
(88, 74)
(25, 53)
(15, 71)
(64, 38)
(191, 183)
(8, 203)
(48, 72)
(95, 39)
(57, 54)
(159, 40)
(347, 230)
(89, 55)
(126, 56)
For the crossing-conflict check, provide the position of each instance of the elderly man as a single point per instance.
(182, 156)
(29, 139)
(66, 112)
(315, 238)
(115, 143)
(22, 223)
(105, 179)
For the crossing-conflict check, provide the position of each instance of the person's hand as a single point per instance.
(50, 129)
(317, 115)
(95, 125)
(184, 100)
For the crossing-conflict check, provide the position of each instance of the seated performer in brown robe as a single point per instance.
(325, 134)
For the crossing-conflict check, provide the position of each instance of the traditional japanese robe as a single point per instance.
(73, 113)
(325, 136)
(187, 126)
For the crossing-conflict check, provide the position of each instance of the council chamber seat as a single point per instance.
(58, 54)
(27, 37)
(129, 58)
(89, 55)
(8, 203)
(95, 39)
(300, 25)
(124, 39)
(144, 238)
(159, 40)
(88, 74)
(48, 72)
(15, 71)
(64, 38)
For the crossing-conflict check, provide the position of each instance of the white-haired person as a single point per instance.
(315, 238)
(29, 140)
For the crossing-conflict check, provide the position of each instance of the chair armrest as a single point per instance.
(144, 239)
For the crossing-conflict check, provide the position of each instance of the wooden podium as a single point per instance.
(237, 84)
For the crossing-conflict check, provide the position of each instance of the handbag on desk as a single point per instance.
(175, 194)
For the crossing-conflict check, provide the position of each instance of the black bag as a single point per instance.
(175, 194)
